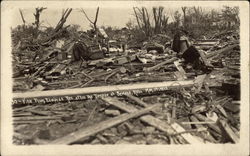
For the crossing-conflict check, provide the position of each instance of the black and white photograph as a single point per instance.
(126, 73)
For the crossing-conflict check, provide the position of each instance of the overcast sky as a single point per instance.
(108, 16)
(50, 17)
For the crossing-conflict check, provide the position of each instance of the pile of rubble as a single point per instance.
(175, 117)
(198, 99)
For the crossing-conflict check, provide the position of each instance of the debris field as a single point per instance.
(146, 95)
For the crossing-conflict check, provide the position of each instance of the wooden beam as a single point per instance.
(137, 100)
(199, 125)
(149, 119)
(21, 13)
(220, 51)
(160, 64)
(229, 131)
(102, 89)
(29, 118)
(212, 126)
(157, 123)
(92, 130)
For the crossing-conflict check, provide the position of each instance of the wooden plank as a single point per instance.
(160, 64)
(222, 110)
(204, 59)
(229, 131)
(37, 118)
(198, 125)
(180, 69)
(102, 89)
(187, 136)
(21, 114)
(212, 126)
(137, 100)
(220, 51)
(33, 122)
(199, 81)
(159, 124)
(92, 130)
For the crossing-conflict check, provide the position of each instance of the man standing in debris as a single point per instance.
(80, 51)
(180, 41)
(92, 48)
(189, 53)
(176, 42)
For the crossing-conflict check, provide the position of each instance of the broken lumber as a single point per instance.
(157, 123)
(139, 102)
(199, 125)
(229, 131)
(187, 136)
(180, 69)
(212, 126)
(220, 51)
(102, 89)
(199, 82)
(37, 118)
(92, 130)
(160, 64)
(204, 59)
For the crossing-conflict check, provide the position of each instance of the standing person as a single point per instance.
(180, 42)
(176, 42)
(80, 51)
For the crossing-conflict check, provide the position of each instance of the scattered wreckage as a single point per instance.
(92, 90)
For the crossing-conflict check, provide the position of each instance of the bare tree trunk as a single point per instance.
(165, 23)
(21, 13)
(59, 26)
(37, 16)
(147, 22)
(95, 21)
(142, 19)
(184, 15)
(37, 20)
(137, 18)
(159, 19)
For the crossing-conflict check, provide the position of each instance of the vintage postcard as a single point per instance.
(125, 78)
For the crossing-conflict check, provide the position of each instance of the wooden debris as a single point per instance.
(85, 132)
(122, 70)
(232, 107)
(180, 69)
(188, 137)
(102, 89)
(212, 126)
(184, 112)
(223, 50)
(163, 126)
(43, 113)
(199, 82)
(160, 64)
(229, 131)
(199, 124)
(36, 118)
(92, 113)
(112, 112)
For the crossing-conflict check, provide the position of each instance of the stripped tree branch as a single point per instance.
(21, 13)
